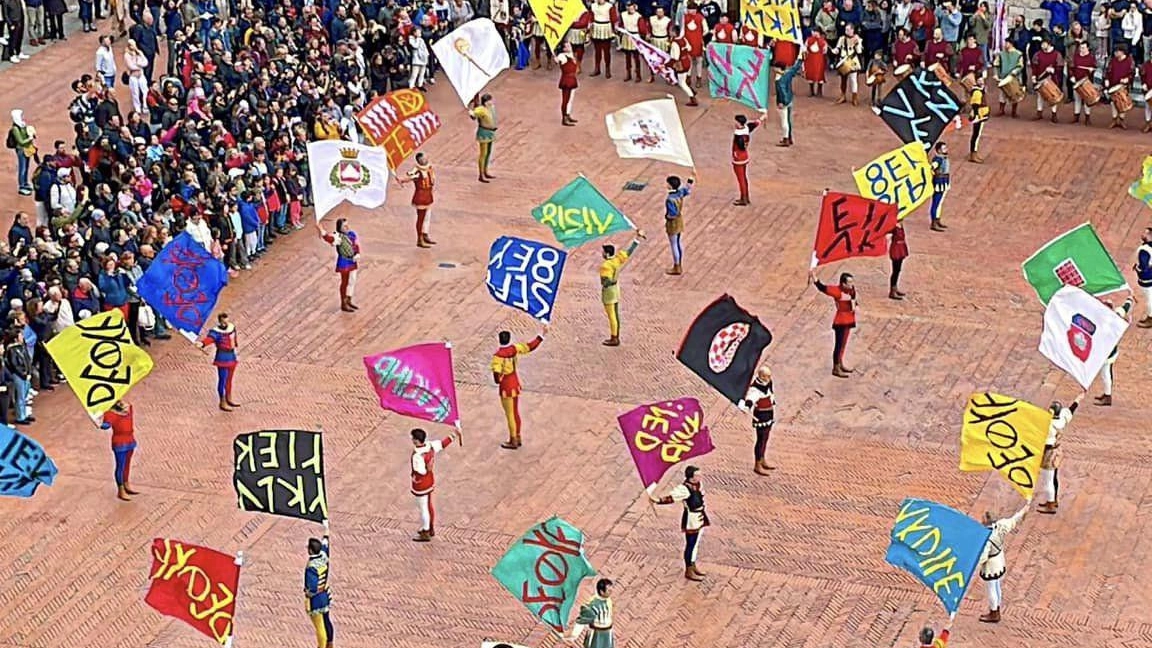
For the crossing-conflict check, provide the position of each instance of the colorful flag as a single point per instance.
(1142, 189)
(195, 584)
(1006, 435)
(661, 435)
(919, 108)
(657, 59)
(23, 464)
(341, 170)
(901, 176)
(398, 122)
(740, 73)
(579, 213)
(650, 129)
(543, 570)
(776, 19)
(1080, 333)
(183, 283)
(471, 56)
(938, 545)
(1075, 258)
(525, 275)
(852, 226)
(416, 381)
(99, 360)
(280, 472)
(723, 347)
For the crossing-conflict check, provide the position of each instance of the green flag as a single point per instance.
(579, 213)
(1075, 258)
(543, 570)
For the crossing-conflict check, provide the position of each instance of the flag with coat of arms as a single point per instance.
(1075, 258)
(340, 170)
(1080, 333)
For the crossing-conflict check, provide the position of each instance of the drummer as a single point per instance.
(971, 60)
(849, 49)
(1046, 64)
(904, 50)
(1081, 68)
(877, 70)
(939, 51)
(1146, 79)
(1118, 75)
(1009, 62)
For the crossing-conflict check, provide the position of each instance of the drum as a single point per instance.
(969, 81)
(845, 67)
(1049, 91)
(942, 74)
(1121, 99)
(1087, 91)
(903, 72)
(1012, 89)
(875, 77)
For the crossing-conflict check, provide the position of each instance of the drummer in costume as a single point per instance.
(659, 35)
(596, 617)
(604, 17)
(941, 183)
(423, 180)
(694, 519)
(849, 49)
(979, 112)
(1009, 66)
(347, 259)
(577, 37)
(1046, 66)
(634, 27)
(681, 61)
(816, 62)
(504, 374)
(1080, 70)
(741, 138)
(1118, 79)
(877, 72)
(610, 269)
(223, 336)
(938, 52)
(992, 564)
(1048, 489)
(1146, 79)
(569, 66)
(904, 51)
(485, 116)
(695, 27)
(971, 63)
(760, 401)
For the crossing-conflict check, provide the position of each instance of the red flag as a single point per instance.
(195, 584)
(398, 122)
(852, 226)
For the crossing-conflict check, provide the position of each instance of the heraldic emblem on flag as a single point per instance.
(1080, 333)
(349, 173)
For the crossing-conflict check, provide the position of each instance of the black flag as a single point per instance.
(281, 472)
(919, 108)
(723, 347)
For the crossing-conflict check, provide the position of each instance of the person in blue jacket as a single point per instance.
(250, 225)
(316, 589)
(1143, 268)
(784, 98)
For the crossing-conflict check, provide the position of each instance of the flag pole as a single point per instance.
(239, 562)
(459, 429)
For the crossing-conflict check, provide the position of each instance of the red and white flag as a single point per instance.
(659, 61)
(398, 122)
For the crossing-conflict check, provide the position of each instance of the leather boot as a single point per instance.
(422, 536)
(1104, 400)
(427, 239)
(676, 270)
(741, 202)
(846, 369)
(628, 68)
(893, 294)
(1123, 124)
(1115, 123)
(420, 242)
(228, 399)
(811, 89)
(975, 158)
(345, 305)
(838, 371)
(1047, 508)
(1039, 115)
(565, 121)
(613, 341)
(841, 100)
(692, 101)
(993, 616)
(762, 468)
(698, 572)
(1145, 322)
(1076, 118)
(122, 493)
(1053, 118)
(128, 489)
(1087, 120)
(855, 99)
(511, 444)
(1001, 113)
(224, 405)
(690, 574)
(937, 226)
(1014, 115)
(595, 72)
(1147, 127)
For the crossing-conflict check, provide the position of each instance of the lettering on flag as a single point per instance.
(399, 122)
(99, 360)
(901, 177)
(543, 570)
(555, 17)
(852, 226)
(661, 435)
(525, 275)
(938, 545)
(24, 464)
(195, 584)
(183, 283)
(1006, 435)
(579, 213)
(740, 73)
(919, 108)
(416, 381)
(776, 19)
(281, 472)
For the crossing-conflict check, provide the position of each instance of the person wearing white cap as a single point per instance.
(22, 139)
(62, 195)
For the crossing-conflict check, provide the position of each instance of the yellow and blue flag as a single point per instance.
(938, 545)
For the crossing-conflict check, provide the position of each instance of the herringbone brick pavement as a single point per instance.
(795, 560)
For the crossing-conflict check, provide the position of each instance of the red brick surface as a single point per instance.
(795, 560)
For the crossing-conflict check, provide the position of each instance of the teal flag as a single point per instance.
(740, 73)
(579, 213)
(543, 570)
(1075, 258)
(938, 545)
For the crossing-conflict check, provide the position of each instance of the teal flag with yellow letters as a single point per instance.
(579, 213)
(543, 570)
(938, 545)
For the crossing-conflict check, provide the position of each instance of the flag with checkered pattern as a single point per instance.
(1075, 258)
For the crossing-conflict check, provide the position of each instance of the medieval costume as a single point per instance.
(505, 376)
(119, 420)
(223, 336)
(693, 520)
(347, 260)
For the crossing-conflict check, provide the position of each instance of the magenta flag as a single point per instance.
(416, 381)
(662, 435)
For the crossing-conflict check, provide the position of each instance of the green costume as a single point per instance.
(596, 615)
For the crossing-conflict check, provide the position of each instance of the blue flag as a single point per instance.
(525, 275)
(938, 545)
(183, 283)
(23, 464)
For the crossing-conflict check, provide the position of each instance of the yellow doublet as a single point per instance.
(980, 109)
(610, 277)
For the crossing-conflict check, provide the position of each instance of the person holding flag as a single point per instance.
(843, 321)
(1049, 484)
(941, 183)
(120, 421)
(505, 376)
(674, 219)
(610, 285)
(316, 589)
(223, 335)
(992, 565)
(347, 246)
(569, 68)
(785, 98)
(424, 480)
(692, 521)
(1143, 268)
(741, 138)
(1125, 312)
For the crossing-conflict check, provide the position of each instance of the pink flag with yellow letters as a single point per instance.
(416, 381)
(662, 435)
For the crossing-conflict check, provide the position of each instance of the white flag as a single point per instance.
(341, 170)
(650, 129)
(1080, 333)
(657, 59)
(471, 56)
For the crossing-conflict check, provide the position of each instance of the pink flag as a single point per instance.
(659, 61)
(661, 435)
(416, 381)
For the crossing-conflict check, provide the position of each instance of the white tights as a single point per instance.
(994, 595)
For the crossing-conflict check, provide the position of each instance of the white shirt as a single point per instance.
(200, 232)
(419, 50)
(105, 61)
(1057, 426)
(64, 317)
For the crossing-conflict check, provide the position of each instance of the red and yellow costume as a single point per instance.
(423, 180)
(120, 421)
(504, 374)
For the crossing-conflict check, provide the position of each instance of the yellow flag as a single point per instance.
(901, 176)
(776, 19)
(99, 360)
(555, 17)
(1004, 434)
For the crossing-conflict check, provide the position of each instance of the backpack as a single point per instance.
(11, 141)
